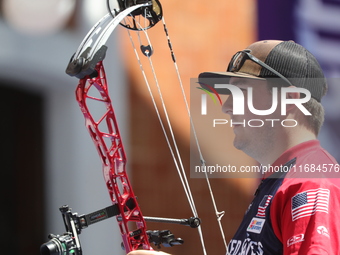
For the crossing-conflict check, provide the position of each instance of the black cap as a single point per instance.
(287, 58)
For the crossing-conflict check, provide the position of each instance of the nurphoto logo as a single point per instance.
(239, 104)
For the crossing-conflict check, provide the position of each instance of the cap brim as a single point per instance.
(209, 79)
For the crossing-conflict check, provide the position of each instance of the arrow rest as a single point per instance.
(164, 237)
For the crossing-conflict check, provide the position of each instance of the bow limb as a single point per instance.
(93, 48)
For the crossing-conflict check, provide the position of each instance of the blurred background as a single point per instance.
(47, 156)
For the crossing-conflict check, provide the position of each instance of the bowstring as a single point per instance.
(178, 161)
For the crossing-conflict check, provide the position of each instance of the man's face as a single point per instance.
(253, 139)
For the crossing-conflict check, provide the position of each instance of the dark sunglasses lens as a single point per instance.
(236, 62)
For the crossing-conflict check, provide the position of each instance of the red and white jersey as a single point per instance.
(296, 208)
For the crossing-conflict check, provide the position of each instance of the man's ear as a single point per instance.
(292, 95)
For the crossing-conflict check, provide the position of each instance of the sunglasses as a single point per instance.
(240, 57)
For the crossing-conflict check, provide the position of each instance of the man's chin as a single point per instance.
(238, 144)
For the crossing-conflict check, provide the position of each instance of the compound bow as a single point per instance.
(87, 65)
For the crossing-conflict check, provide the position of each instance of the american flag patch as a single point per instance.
(309, 202)
(261, 211)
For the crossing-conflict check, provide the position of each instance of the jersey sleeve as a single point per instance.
(304, 216)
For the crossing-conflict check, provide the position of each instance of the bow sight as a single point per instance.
(69, 242)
